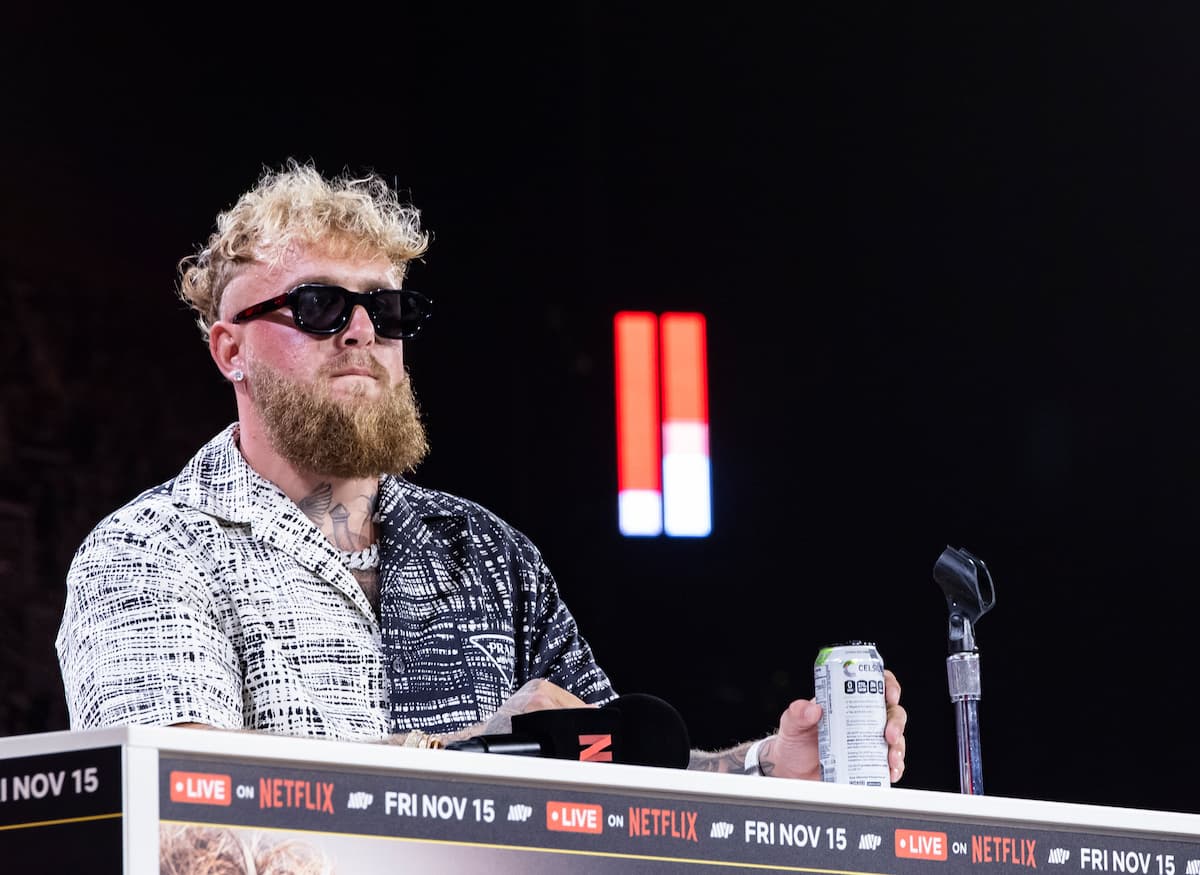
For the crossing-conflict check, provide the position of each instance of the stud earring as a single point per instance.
(238, 376)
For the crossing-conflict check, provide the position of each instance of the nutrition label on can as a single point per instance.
(848, 681)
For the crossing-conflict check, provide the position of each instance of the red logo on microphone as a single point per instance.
(595, 748)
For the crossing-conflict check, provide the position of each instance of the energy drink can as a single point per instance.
(849, 688)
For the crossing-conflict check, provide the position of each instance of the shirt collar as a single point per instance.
(218, 481)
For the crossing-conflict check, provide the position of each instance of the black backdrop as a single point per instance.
(946, 255)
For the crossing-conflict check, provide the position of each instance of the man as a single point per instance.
(289, 579)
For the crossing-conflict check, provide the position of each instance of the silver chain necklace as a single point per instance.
(362, 560)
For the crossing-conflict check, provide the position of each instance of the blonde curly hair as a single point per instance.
(297, 205)
(197, 849)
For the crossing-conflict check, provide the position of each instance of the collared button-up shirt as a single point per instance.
(213, 599)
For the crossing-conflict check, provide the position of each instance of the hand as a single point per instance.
(893, 730)
(792, 752)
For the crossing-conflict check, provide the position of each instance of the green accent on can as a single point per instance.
(823, 654)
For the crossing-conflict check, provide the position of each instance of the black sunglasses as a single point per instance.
(320, 308)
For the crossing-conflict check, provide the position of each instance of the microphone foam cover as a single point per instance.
(559, 729)
(645, 731)
(653, 732)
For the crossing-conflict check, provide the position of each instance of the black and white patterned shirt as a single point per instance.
(214, 599)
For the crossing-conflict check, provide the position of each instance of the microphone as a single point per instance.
(637, 729)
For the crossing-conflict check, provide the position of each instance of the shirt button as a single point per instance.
(398, 664)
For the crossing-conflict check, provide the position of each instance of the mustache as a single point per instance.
(357, 360)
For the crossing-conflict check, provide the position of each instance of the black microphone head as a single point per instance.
(652, 732)
(589, 734)
(638, 729)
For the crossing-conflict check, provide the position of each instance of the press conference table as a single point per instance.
(108, 801)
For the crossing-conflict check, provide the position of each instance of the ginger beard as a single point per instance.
(351, 437)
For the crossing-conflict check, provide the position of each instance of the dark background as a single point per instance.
(946, 253)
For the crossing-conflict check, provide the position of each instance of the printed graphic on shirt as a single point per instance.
(498, 650)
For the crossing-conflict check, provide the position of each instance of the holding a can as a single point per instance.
(849, 684)
(839, 736)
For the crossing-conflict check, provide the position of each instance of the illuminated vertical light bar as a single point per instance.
(639, 468)
(687, 493)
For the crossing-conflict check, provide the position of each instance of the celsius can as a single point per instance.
(849, 688)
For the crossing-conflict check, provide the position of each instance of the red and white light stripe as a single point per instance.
(687, 501)
(639, 474)
(663, 466)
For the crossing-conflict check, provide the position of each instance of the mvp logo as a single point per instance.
(201, 788)
(917, 845)
(721, 829)
(574, 817)
(595, 748)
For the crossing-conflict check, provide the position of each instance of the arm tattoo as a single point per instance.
(732, 760)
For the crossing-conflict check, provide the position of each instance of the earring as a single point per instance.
(237, 375)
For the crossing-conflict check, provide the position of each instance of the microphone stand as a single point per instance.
(967, 585)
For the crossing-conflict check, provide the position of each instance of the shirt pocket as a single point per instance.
(490, 655)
